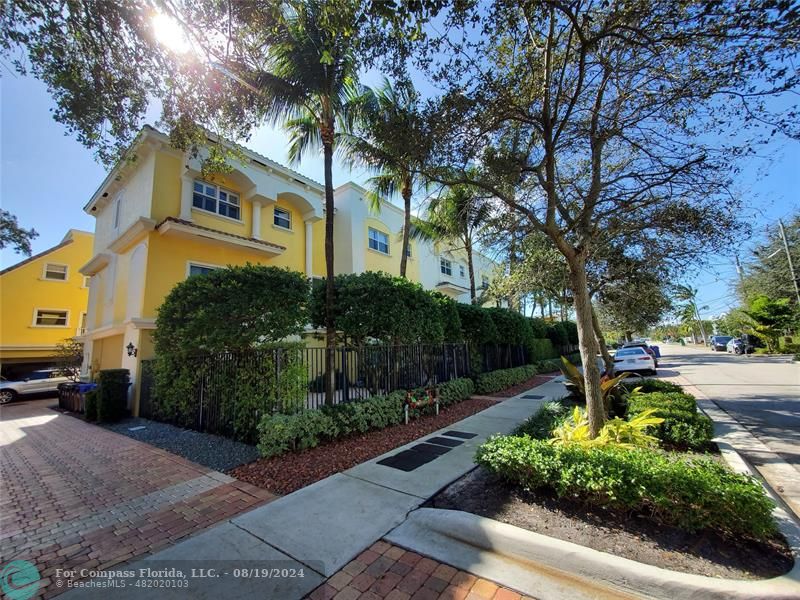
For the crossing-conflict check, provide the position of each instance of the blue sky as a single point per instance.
(46, 177)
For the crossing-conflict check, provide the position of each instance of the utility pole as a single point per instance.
(789, 258)
(739, 270)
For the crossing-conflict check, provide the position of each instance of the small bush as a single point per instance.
(652, 385)
(90, 406)
(690, 494)
(683, 426)
(541, 425)
(279, 433)
(112, 394)
(548, 366)
(494, 381)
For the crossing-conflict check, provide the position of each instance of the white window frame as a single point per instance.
(378, 242)
(87, 281)
(461, 271)
(51, 264)
(38, 310)
(288, 214)
(218, 189)
(202, 265)
(445, 266)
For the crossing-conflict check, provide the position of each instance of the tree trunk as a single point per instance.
(468, 246)
(601, 341)
(330, 326)
(587, 343)
(512, 264)
(406, 193)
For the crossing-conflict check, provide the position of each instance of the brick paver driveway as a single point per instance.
(74, 495)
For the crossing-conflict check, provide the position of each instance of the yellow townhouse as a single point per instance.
(43, 301)
(159, 221)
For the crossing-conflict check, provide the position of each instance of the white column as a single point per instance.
(187, 188)
(256, 233)
(309, 247)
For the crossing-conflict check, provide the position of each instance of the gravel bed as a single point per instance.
(212, 451)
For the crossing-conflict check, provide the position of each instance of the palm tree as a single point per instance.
(310, 81)
(385, 138)
(689, 311)
(457, 216)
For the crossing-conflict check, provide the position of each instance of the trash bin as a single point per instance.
(657, 351)
(72, 396)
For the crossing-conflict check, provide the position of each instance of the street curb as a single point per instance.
(534, 564)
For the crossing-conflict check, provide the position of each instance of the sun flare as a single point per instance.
(170, 33)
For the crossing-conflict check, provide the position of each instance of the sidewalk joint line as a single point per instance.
(259, 538)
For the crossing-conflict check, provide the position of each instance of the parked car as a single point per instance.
(645, 347)
(719, 342)
(735, 346)
(634, 359)
(37, 382)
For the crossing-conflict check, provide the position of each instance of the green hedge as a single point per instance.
(690, 494)
(652, 385)
(683, 427)
(541, 424)
(279, 433)
(541, 349)
(112, 394)
(494, 381)
(90, 406)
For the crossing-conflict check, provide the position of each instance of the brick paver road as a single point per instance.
(390, 572)
(74, 495)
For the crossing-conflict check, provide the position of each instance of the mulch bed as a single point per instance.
(289, 472)
(631, 536)
(525, 385)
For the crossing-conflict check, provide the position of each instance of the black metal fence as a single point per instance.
(228, 393)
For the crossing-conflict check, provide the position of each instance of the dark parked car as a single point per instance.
(719, 342)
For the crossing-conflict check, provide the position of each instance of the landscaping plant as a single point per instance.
(112, 394)
(494, 381)
(619, 432)
(578, 383)
(683, 427)
(690, 494)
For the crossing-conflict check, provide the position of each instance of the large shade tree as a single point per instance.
(228, 67)
(592, 120)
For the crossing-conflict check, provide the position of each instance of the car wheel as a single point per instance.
(654, 372)
(7, 396)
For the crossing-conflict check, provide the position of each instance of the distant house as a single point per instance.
(159, 221)
(43, 301)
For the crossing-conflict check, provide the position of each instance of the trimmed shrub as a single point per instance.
(683, 426)
(541, 349)
(90, 406)
(494, 381)
(652, 385)
(538, 327)
(572, 331)
(689, 494)
(549, 366)
(278, 433)
(558, 334)
(112, 394)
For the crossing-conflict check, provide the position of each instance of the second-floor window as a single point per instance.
(378, 241)
(55, 272)
(51, 318)
(461, 271)
(282, 218)
(485, 282)
(215, 199)
(446, 266)
(200, 269)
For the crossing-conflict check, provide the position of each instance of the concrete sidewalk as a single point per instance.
(319, 529)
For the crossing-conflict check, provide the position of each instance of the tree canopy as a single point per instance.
(11, 234)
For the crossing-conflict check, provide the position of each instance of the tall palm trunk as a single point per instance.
(330, 326)
(468, 247)
(406, 193)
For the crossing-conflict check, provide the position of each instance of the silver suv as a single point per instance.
(36, 382)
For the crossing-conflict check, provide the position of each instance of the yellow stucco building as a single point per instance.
(159, 220)
(43, 301)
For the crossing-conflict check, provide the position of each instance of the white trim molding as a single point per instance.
(97, 264)
(140, 228)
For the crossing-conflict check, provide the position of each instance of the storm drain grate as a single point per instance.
(414, 457)
(443, 441)
(532, 397)
(460, 434)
